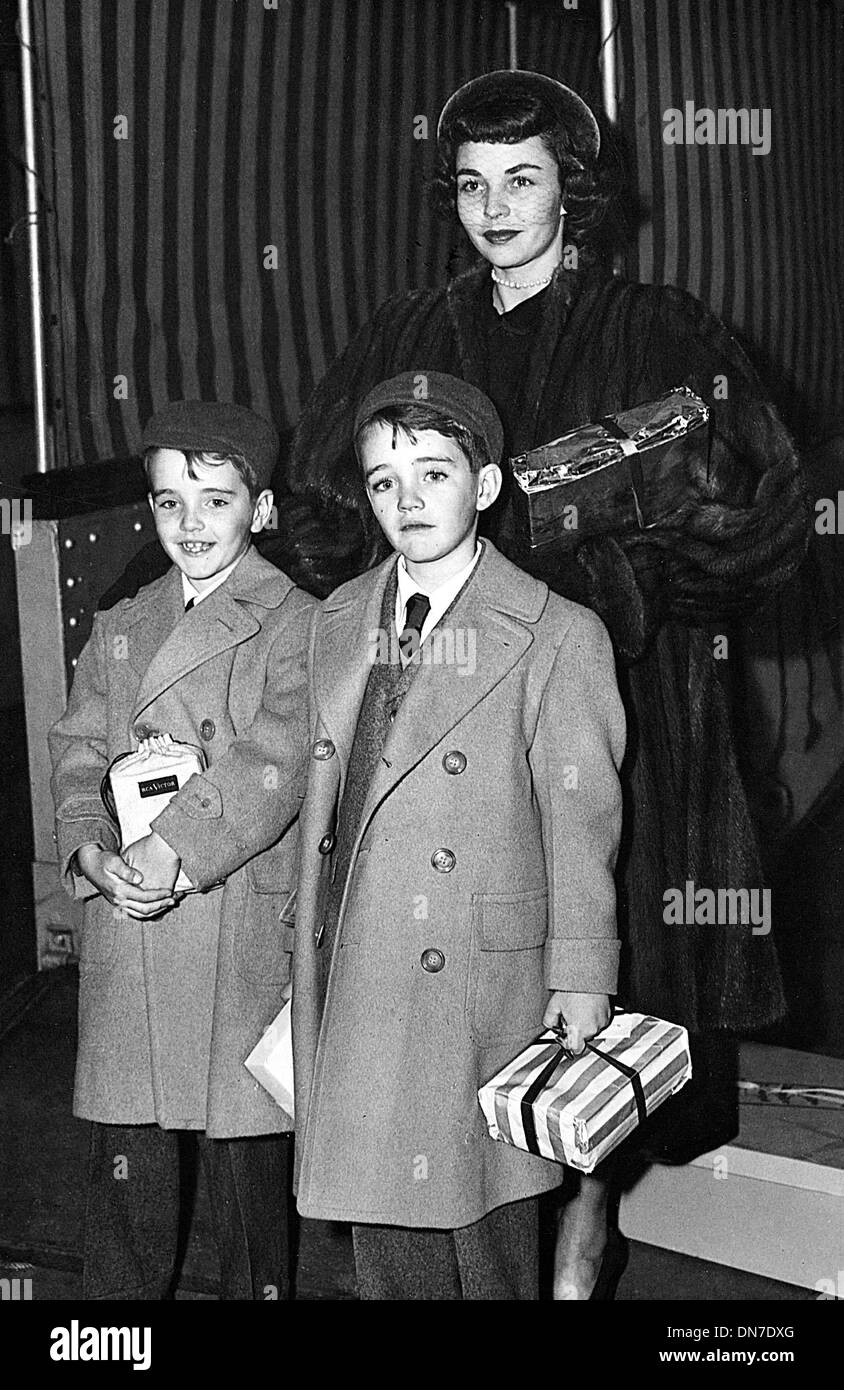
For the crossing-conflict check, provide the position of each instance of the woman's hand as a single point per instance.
(579, 1016)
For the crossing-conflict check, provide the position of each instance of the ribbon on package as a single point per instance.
(630, 450)
(549, 1072)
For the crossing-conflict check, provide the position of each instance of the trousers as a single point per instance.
(137, 1207)
(496, 1258)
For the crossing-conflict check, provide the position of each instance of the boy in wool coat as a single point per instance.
(458, 840)
(176, 988)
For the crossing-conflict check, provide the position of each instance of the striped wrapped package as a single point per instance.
(578, 1109)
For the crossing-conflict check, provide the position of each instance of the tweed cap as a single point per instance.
(485, 92)
(219, 428)
(457, 399)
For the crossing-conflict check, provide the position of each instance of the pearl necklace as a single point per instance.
(525, 284)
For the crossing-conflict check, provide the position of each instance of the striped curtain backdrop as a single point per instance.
(756, 236)
(247, 127)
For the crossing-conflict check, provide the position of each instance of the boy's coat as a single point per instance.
(389, 1059)
(170, 1008)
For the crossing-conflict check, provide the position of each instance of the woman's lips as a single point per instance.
(499, 236)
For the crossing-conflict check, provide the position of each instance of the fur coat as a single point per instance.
(665, 593)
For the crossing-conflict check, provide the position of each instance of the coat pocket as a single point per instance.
(264, 944)
(506, 993)
(274, 868)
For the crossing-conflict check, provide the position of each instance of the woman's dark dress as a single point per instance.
(588, 346)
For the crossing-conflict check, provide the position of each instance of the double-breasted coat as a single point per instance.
(481, 877)
(170, 1008)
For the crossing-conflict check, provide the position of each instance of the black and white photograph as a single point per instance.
(422, 687)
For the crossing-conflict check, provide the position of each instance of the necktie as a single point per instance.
(189, 604)
(418, 608)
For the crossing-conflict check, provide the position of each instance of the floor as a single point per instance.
(42, 1163)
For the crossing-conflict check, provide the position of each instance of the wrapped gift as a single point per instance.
(578, 1109)
(271, 1060)
(627, 471)
(139, 785)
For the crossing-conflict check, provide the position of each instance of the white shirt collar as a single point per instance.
(440, 599)
(190, 592)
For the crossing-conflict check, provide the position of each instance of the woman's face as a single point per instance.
(509, 201)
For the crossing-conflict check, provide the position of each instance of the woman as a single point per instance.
(543, 326)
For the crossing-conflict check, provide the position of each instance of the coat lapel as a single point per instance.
(170, 643)
(346, 644)
(443, 692)
(153, 615)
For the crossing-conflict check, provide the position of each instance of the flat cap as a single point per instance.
(219, 428)
(457, 399)
(483, 96)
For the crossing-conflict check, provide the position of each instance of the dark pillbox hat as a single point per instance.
(219, 428)
(457, 399)
(493, 89)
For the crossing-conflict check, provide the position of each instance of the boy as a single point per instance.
(458, 839)
(176, 989)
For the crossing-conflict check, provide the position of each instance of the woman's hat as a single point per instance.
(489, 90)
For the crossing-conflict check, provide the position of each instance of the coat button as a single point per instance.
(454, 763)
(207, 730)
(323, 749)
(432, 960)
(327, 843)
(443, 861)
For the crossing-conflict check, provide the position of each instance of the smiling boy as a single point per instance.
(175, 990)
(456, 882)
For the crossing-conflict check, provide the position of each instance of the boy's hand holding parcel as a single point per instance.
(120, 882)
(156, 861)
(579, 1016)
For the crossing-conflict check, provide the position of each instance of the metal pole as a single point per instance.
(42, 429)
(609, 69)
(512, 18)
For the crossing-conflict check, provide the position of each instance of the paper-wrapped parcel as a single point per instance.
(139, 785)
(271, 1061)
(578, 1109)
(627, 471)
